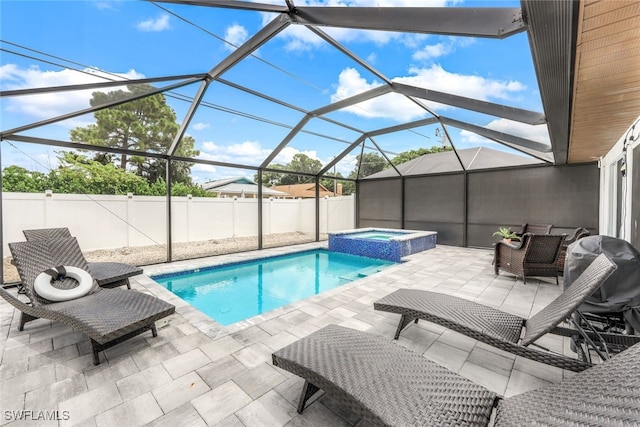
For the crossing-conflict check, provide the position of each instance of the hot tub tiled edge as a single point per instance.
(393, 249)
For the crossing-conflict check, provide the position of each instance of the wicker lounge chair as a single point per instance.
(387, 384)
(106, 316)
(535, 255)
(498, 328)
(107, 274)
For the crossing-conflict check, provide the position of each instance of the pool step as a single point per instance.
(360, 273)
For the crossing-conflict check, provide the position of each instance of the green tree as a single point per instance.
(77, 174)
(371, 163)
(147, 124)
(154, 169)
(328, 181)
(348, 188)
(405, 156)
(159, 188)
(299, 163)
(269, 179)
(20, 180)
(305, 164)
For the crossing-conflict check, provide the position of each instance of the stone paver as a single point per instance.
(136, 412)
(200, 373)
(110, 373)
(90, 404)
(143, 381)
(179, 391)
(185, 415)
(259, 380)
(179, 365)
(224, 400)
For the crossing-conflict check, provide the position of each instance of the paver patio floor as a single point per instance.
(197, 372)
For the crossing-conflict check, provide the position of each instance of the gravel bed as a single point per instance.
(145, 255)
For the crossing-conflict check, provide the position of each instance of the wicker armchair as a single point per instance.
(578, 234)
(535, 229)
(535, 255)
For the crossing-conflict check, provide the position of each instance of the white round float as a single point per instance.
(45, 289)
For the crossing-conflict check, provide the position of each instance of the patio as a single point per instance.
(199, 373)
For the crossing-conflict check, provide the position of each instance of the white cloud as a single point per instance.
(104, 5)
(346, 165)
(199, 170)
(54, 104)
(447, 46)
(249, 153)
(200, 126)
(538, 133)
(473, 86)
(392, 105)
(235, 35)
(369, 3)
(286, 155)
(252, 153)
(154, 25)
(299, 38)
(433, 51)
(397, 107)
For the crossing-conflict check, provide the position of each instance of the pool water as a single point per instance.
(231, 293)
(376, 235)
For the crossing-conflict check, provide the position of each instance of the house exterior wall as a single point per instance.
(620, 187)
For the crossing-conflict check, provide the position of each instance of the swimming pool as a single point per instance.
(234, 292)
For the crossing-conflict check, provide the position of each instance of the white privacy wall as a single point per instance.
(108, 222)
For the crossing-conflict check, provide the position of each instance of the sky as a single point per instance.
(53, 43)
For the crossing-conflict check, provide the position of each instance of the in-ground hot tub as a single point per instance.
(382, 243)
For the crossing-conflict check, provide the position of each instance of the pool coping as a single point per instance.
(401, 235)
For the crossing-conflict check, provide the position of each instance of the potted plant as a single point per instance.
(507, 235)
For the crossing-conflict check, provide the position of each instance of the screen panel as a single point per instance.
(380, 203)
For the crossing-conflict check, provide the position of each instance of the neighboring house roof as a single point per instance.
(239, 186)
(472, 158)
(303, 190)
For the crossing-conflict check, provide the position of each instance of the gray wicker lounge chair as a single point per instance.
(535, 255)
(498, 328)
(106, 316)
(107, 274)
(387, 384)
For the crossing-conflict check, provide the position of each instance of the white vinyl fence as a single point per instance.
(108, 222)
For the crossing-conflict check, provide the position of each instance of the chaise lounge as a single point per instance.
(106, 316)
(107, 274)
(387, 384)
(498, 328)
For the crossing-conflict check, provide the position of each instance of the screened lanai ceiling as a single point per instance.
(253, 84)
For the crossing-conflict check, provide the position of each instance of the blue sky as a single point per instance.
(134, 39)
